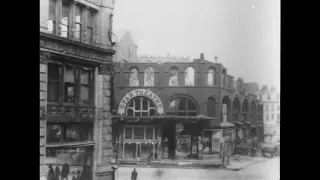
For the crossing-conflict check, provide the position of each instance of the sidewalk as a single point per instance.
(240, 162)
(237, 163)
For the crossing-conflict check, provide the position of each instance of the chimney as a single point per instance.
(216, 59)
(201, 56)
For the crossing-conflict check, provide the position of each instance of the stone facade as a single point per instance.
(43, 102)
(94, 57)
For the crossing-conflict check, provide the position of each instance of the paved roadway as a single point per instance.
(267, 170)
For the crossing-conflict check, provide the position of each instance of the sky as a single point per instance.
(244, 34)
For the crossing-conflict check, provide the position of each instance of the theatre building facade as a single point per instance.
(179, 111)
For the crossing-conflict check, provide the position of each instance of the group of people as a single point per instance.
(63, 175)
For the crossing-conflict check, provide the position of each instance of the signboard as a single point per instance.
(140, 92)
(179, 127)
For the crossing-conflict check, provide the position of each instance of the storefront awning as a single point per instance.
(162, 117)
(71, 144)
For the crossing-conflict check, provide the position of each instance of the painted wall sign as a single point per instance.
(140, 92)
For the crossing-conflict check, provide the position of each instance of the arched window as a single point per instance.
(225, 109)
(211, 77)
(141, 106)
(245, 109)
(173, 77)
(182, 106)
(149, 76)
(134, 77)
(211, 107)
(224, 78)
(236, 109)
(189, 76)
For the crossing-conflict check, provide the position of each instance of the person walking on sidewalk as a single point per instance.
(134, 174)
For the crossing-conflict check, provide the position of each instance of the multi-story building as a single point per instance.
(270, 99)
(179, 109)
(75, 79)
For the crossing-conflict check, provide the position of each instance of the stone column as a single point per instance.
(104, 148)
(43, 107)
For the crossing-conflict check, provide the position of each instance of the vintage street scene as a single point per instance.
(159, 90)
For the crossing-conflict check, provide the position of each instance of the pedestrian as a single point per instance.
(51, 173)
(134, 174)
(78, 174)
(57, 173)
(65, 171)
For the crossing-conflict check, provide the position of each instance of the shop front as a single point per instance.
(146, 133)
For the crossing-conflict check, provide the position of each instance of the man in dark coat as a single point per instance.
(65, 171)
(51, 173)
(57, 173)
(134, 174)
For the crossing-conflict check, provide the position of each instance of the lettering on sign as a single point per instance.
(140, 92)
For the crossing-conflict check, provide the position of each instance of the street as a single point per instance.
(266, 170)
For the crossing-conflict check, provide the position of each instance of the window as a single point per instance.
(225, 109)
(272, 107)
(189, 76)
(54, 73)
(245, 109)
(267, 108)
(78, 22)
(182, 106)
(236, 109)
(134, 77)
(211, 77)
(68, 132)
(65, 18)
(267, 117)
(211, 110)
(149, 76)
(272, 116)
(173, 74)
(141, 106)
(52, 17)
(76, 81)
(142, 134)
(90, 25)
(85, 86)
(75, 157)
(269, 97)
(69, 84)
(222, 79)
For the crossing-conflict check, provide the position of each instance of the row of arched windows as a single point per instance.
(186, 106)
(173, 77)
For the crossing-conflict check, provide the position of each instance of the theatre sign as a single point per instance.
(140, 92)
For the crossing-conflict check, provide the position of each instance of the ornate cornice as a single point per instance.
(70, 47)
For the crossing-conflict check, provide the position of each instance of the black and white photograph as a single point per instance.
(159, 89)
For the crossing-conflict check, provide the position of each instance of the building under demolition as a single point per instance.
(180, 110)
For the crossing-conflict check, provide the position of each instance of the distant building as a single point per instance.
(270, 99)
(126, 48)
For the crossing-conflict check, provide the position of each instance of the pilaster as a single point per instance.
(104, 147)
(43, 109)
